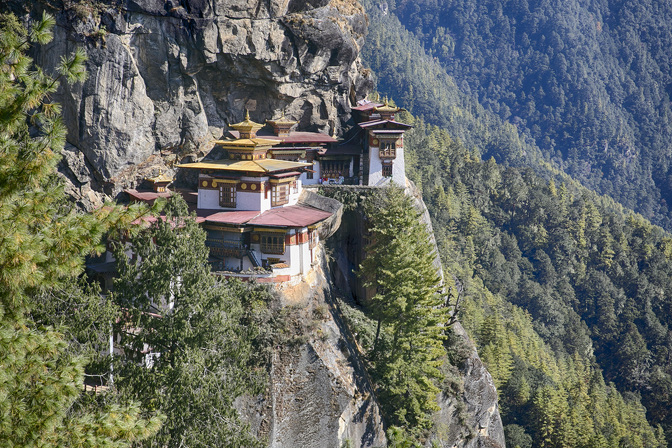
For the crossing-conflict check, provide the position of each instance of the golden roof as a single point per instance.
(386, 107)
(247, 125)
(160, 178)
(282, 121)
(247, 143)
(254, 166)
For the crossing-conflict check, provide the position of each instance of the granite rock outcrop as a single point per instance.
(167, 77)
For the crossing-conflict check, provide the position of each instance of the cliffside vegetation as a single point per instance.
(55, 326)
(568, 299)
(401, 328)
(210, 337)
(406, 351)
(41, 251)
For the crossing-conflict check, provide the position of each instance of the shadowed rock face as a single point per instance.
(166, 77)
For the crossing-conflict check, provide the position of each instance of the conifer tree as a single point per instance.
(42, 244)
(408, 307)
(202, 334)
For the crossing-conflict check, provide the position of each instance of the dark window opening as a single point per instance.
(227, 196)
(387, 170)
(273, 244)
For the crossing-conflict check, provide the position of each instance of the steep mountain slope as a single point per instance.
(589, 81)
(562, 293)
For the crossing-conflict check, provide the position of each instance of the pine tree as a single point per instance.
(409, 310)
(42, 244)
(200, 331)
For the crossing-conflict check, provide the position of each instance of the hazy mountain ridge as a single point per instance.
(589, 80)
(487, 220)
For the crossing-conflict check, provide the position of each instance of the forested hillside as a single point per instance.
(564, 296)
(586, 81)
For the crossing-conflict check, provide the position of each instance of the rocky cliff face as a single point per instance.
(469, 415)
(319, 395)
(167, 76)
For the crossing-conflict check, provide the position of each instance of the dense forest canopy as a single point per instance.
(588, 82)
(578, 88)
(564, 296)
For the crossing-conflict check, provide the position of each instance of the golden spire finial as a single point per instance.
(247, 114)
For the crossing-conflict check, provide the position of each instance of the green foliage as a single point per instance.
(209, 336)
(43, 242)
(398, 438)
(585, 83)
(559, 287)
(407, 349)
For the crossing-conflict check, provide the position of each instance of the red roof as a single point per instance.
(303, 137)
(147, 196)
(283, 175)
(367, 106)
(290, 216)
(293, 137)
(232, 217)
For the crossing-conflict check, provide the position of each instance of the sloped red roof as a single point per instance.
(292, 216)
(293, 137)
(303, 137)
(147, 196)
(235, 217)
(367, 106)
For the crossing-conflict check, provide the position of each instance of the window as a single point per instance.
(279, 194)
(388, 148)
(309, 173)
(273, 244)
(334, 168)
(387, 170)
(227, 196)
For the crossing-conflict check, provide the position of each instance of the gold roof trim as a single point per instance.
(160, 178)
(282, 120)
(269, 230)
(242, 143)
(253, 166)
(247, 125)
(386, 107)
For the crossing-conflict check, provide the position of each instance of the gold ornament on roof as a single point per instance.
(160, 178)
(282, 126)
(386, 107)
(247, 127)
